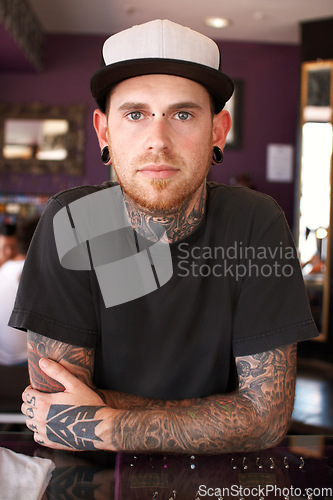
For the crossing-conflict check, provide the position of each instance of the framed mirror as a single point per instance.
(315, 187)
(40, 139)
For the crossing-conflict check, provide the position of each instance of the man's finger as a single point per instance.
(58, 372)
(26, 390)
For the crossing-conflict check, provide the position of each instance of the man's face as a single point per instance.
(160, 133)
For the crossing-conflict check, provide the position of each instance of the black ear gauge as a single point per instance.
(217, 155)
(105, 155)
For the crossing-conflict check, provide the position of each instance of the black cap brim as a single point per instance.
(219, 85)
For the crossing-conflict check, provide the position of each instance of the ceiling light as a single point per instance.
(217, 22)
(321, 233)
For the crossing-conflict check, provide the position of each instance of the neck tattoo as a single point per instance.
(177, 225)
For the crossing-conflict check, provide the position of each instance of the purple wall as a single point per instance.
(11, 55)
(69, 62)
(270, 75)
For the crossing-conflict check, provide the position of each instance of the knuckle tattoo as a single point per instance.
(30, 412)
(31, 400)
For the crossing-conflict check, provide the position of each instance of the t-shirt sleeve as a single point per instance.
(272, 309)
(51, 300)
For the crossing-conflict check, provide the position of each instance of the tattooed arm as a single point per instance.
(256, 416)
(77, 360)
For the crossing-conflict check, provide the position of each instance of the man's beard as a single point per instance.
(168, 201)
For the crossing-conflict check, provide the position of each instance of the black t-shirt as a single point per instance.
(236, 289)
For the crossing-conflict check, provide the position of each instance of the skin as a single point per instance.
(162, 172)
(163, 176)
(8, 248)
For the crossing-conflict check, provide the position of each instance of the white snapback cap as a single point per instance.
(161, 47)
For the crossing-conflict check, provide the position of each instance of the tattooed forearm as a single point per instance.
(73, 426)
(77, 360)
(124, 401)
(254, 417)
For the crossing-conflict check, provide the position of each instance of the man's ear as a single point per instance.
(221, 127)
(100, 126)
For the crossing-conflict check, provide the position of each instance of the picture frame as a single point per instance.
(28, 116)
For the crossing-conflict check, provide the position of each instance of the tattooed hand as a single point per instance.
(64, 420)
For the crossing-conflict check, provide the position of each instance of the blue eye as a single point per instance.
(135, 115)
(183, 115)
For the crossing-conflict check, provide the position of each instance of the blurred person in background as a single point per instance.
(8, 242)
(13, 343)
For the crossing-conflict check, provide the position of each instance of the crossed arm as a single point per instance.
(71, 413)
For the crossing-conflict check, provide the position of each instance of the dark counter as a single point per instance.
(300, 467)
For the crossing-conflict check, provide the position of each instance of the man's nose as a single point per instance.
(158, 133)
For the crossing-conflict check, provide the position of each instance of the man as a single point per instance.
(206, 362)
(8, 242)
(13, 344)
